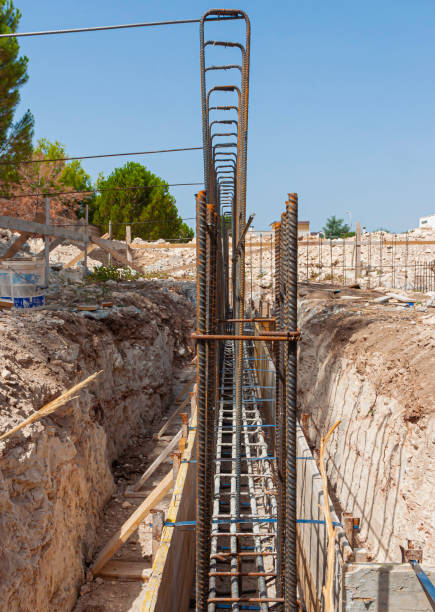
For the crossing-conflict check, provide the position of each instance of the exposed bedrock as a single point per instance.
(55, 475)
(374, 370)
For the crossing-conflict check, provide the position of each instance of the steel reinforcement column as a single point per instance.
(290, 316)
(202, 498)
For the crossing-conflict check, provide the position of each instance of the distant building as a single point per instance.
(303, 228)
(426, 222)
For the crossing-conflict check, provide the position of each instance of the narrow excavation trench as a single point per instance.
(56, 474)
(112, 594)
(366, 364)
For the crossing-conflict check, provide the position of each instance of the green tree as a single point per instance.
(63, 174)
(61, 179)
(132, 194)
(334, 228)
(15, 136)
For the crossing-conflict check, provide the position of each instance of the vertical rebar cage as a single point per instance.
(239, 519)
(225, 148)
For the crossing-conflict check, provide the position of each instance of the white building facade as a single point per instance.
(427, 222)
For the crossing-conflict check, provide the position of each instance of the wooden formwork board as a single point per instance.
(170, 585)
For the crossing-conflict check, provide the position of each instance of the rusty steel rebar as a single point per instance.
(202, 528)
(290, 319)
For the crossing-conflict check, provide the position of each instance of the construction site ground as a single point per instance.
(367, 363)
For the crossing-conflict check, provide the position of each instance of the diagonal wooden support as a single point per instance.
(80, 256)
(55, 242)
(155, 464)
(174, 415)
(107, 245)
(21, 240)
(132, 523)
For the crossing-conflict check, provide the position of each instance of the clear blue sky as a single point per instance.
(342, 103)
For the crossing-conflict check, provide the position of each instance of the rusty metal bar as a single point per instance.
(290, 319)
(265, 337)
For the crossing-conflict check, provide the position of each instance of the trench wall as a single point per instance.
(55, 475)
(374, 375)
(381, 587)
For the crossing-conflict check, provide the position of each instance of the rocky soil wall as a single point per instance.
(373, 367)
(55, 475)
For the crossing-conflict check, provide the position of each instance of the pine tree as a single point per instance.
(15, 136)
(132, 194)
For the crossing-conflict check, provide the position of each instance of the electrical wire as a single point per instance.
(66, 159)
(91, 191)
(115, 27)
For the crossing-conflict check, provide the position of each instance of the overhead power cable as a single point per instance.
(66, 159)
(116, 27)
(91, 191)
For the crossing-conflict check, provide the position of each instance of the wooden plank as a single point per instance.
(55, 242)
(164, 245)
(339, 242)
(107, 245)
(16, 246)
(169, 588)
(132, 523)
(80, 256)
(20, 241)
(22, 225)
(155, 464)
(188, 245)
(126, 570)
(128, 252)
(172, 417)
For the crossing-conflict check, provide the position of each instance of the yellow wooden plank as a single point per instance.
(150, 602)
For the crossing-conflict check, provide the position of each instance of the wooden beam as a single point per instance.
(164, 245)
(16, 246)
(132, 523)
(169, 587)
(185, 245)
(155, 464)
(339, 242)
(22, 225)
(20, 241)
(126, 570)
(55, 242)
(80, 256)
(172, 417)
(107, 245)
